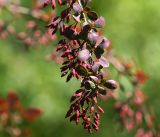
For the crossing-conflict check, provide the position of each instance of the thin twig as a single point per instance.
(85, 19)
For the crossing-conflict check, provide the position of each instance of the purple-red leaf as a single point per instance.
(92, 15)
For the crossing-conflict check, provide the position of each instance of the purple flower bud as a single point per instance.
(89, 85)
(95, 67)
(100, 22)
(77, 7)
(104, 62)
(92, 37)
(102, 90)
(83, 55)
(105, 43)
(92, 109)
(94, 78)
(111, 84)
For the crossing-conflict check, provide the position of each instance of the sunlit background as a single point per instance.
(134, 28)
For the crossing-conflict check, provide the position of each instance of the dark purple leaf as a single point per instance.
(92, 15)
(69, 77)
(69, 113)
(99, 51)
(81, 70)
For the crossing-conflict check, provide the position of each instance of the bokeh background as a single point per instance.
(134, 28)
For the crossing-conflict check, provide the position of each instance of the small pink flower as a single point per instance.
(83, 55)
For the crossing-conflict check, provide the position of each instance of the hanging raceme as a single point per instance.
(83, 49)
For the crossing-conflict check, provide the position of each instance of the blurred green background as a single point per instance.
(133, 27)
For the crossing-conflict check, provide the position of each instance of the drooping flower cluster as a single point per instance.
(134, 114)
(82, 49)
(31, 34)
(13, 116)
(133, 111)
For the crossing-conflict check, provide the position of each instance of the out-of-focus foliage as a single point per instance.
(133, 27)
(14, 117)
(134, 30)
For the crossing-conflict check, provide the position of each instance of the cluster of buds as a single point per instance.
(32, 34)
(13, 116)
(83, 51)
(133, 111)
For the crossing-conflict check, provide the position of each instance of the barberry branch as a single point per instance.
(82, 49)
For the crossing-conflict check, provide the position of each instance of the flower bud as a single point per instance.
(102, 90)
(96, 66)
(83, 55)
(92, 37)
(53, 3)
(100, 22)
(77, 7)
(99, 51)
(89, 85)
(111, 84)
(100, 109)
(92, 109)
(104, 62)
(105, 43)
(94, 78)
